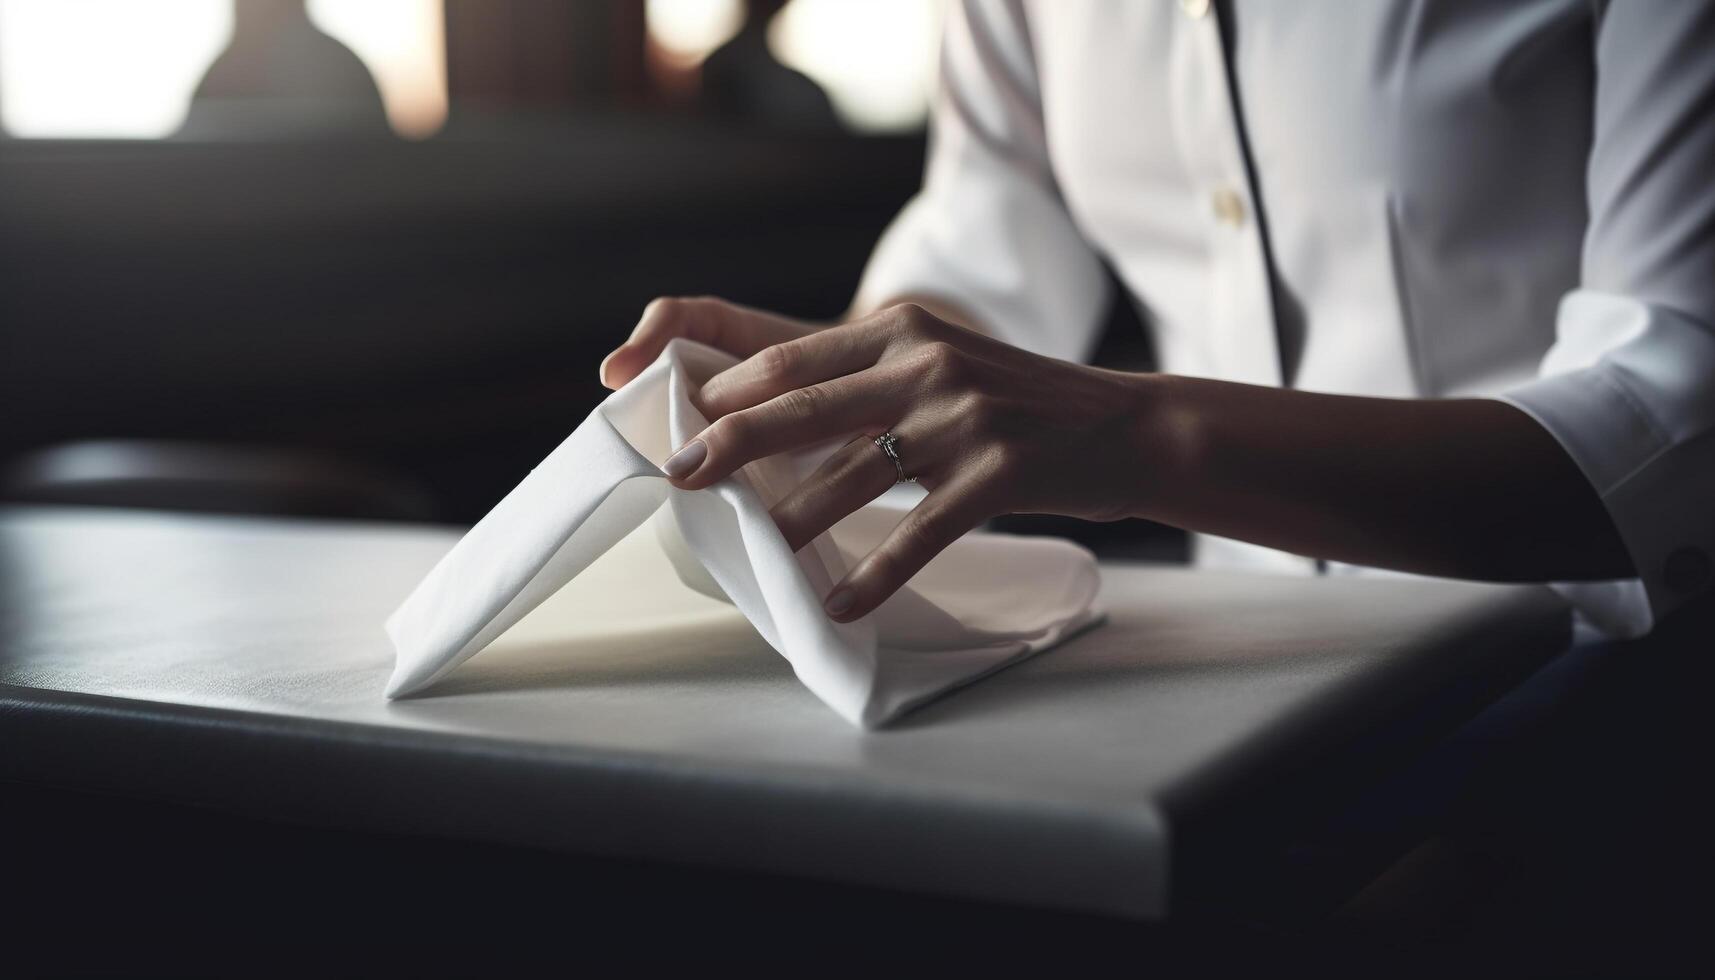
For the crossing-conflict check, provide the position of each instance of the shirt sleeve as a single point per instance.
(989, 234)
(1629, 386)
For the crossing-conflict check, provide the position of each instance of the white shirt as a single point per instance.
(1503, 199)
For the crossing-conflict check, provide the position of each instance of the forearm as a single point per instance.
(1469, 488)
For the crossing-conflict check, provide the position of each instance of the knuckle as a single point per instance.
(977, 411)
(802, 404)
(664, 309)
(922, 320)
(656, 319)
(864, 465)
(941, 362)
(778, 362)
(916, 541)
(682, 309)
(910, 313)
(888, 568)
(790, 512)
(908, 320)
(1006, 460)
(922, 537)
(703, 307)
(674, 316)
(732, 432)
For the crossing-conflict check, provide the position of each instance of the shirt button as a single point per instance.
(1194, 9)
(1686, 570)
(1229, 207)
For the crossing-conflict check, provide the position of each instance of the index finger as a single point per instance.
(738, 330)
(774, 371)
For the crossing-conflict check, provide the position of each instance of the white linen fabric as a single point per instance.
(988, 601)
(1508, 200)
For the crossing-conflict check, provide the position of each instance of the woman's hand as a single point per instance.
(1460, 487)
(986, 428)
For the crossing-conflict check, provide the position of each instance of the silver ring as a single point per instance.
(889, 444)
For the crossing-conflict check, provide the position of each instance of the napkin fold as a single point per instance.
(987, 601)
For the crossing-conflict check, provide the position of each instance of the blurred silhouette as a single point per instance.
(431, 311)
(743, 81)
(520, 58)
(281, 76)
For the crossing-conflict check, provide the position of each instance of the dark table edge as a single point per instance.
(1234, 823)
(800, 823)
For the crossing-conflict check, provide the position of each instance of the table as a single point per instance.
(238, 663)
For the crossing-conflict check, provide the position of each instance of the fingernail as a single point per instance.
(839, 601)
(690, 456)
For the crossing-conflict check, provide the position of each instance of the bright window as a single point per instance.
(875, 58)
(128, 68)
(403, 43)
(687, 31)
(105, 68)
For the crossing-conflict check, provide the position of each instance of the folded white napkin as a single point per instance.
(988, 601)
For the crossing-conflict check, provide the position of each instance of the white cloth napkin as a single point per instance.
(988, 601)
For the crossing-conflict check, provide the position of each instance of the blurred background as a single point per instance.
(361, 258)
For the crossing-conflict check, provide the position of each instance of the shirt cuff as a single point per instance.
(1629, 392)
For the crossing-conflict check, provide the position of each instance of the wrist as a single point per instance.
(1161, 443)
